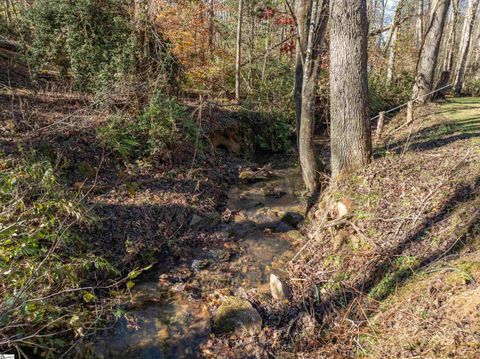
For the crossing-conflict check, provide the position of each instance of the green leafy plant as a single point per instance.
(273, 133)
(91, 41)
(267, 130)
(153, 133)
(48, 272)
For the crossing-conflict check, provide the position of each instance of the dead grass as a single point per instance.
(435, 315)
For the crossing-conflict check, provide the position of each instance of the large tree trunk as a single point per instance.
(313, 57)
(350, 126)
(473, 49)
(302, 13)
(239, 51)
(428, 58)
(475, 61)
(452, 38)
(465, 45)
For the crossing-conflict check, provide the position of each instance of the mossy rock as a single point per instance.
(238, 316)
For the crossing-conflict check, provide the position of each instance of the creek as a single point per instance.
(170, 311)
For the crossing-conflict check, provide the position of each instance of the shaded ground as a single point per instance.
(172, 213)
(139, 205)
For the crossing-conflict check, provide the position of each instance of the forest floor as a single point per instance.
(395, 276)
(185, 217)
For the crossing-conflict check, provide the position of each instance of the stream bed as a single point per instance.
(170, 314)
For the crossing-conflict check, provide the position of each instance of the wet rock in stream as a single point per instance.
(237, 315)
(293, 218)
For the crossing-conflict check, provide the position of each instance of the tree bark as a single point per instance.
(142, 57)
(251, 42)
(419, 24)
(267, 50)
(211, 25)
(302, 11)
(372, 13)
(392, 56)
(351, 145)
(475, 61)
(313, 57)
(239, 51)
(392, 41)
(452, 38)
(428, 58)
(465, 45)
(396, 21)
(382, 21)
(473, 53)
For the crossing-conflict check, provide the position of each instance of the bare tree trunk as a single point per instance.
(392, 56)
(267, 50)
(211, 23)
(392, 41)
(313, 57)
(142, 57)
(372, 13)
(350, 126)
(251, 42)
(419, 24)
(465, 45)
(302, 12)
(395, 23)
(475, 62)
(473, 49)
(452, 38)
(428, 58)
(382, 22)
(239, 50)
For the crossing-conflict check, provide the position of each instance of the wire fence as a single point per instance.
(414, 100)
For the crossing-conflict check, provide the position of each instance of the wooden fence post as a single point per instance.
(409, 112)
(381, 121)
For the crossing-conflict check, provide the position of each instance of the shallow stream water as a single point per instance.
(166, 320)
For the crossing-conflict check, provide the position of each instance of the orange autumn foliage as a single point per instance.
(187, 26)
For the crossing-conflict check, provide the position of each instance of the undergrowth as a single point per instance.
(156, 131)
(385, 96)
(54, 286)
